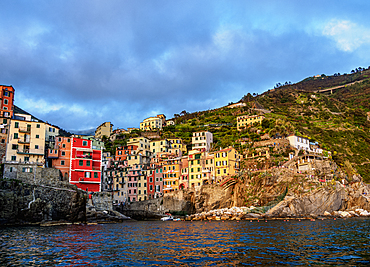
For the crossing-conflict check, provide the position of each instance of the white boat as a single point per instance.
(168, 218)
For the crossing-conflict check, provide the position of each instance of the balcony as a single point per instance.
(23, 151)
(28, 152)
(25, 140)
(25, 130)
(84, 156)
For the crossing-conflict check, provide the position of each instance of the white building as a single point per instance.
(299, 142)
(202, 141)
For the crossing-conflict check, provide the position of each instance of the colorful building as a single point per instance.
(26, 141)
(227, 163)
(202, 141)
(171, 174)
(85, 166)
(151, 123)
(201, 170)
(248, 120)
(159, 146)
(177, 146)
(6, 113)
(104, 129)
(60, 155)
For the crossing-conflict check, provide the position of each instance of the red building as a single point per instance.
(86, 165)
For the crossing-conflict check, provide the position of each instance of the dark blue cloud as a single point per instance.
(122, 61)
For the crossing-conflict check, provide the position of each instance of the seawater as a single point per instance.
(201, 243)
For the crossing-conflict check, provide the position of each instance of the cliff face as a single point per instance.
(324, 200)
(39, 200)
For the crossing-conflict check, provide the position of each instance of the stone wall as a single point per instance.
(272, 142)
(102, 200)
(31, 173)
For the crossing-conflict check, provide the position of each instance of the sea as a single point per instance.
(183, 243)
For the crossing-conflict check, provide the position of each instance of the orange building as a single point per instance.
(7, 101)
(61, 155)
(6, 112)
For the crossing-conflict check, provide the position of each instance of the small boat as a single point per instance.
(177, 219)
(168, 218)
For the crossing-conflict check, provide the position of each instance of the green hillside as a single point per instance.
(338, 121)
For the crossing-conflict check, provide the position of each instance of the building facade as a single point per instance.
(104, 129)
(202, 141)
(248, 120)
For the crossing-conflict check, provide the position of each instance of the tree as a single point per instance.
(247, 98)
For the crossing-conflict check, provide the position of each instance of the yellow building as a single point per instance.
(227, 162)
(105, 129)
(201, 169)
(247, 120)
(171, 174)
(143, 148)
(177, 146)
(159, 146)
(151, 123)
(26, 141)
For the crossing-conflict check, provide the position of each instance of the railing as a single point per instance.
(23, 151)
(25, 130)
(24, 140)
(84, 156)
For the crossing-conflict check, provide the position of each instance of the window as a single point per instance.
(87, 174)
(14, 158)
(15, 135)
(5, 101)
(37, 136)
(62, 162)
(36, 146)
(24, 169)
(84, 143)
(96, 175)
(14, 146)
(64, 145)
(4, 120)
(37, 125)
(88, 163)
(6, 93)
(80, 163)
(63, 153)
(10, 169)
(50, 129)
(68, 140)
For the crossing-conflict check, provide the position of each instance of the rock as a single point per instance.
(327, 213)
(253, 215)
(344, 214)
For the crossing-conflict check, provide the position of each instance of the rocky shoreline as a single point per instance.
(247, 213)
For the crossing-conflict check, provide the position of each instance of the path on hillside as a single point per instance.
(337, 87)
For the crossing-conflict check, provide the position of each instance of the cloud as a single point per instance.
(79, 63)
(348, 35)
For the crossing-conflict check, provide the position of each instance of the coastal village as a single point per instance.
(147, 166)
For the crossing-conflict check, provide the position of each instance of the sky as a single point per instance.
(77, 64)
